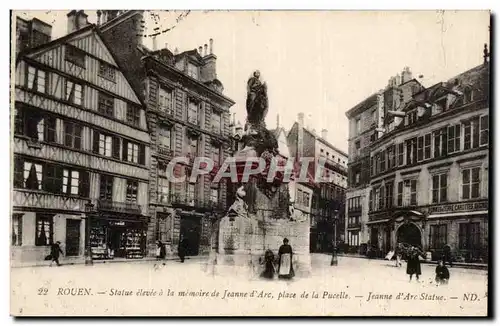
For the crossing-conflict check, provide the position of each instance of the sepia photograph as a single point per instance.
(249, 163)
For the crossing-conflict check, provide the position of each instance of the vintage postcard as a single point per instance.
(249, 163)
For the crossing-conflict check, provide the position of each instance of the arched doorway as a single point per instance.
(410, 234)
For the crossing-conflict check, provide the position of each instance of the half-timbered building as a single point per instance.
(81, 151)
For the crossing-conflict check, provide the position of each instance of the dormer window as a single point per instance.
(192, 71)
(468, 95)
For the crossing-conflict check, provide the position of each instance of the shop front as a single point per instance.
(117, 238)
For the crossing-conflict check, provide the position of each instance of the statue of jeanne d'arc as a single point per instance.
(257, 102)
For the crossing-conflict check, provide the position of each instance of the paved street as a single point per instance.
(353, 276)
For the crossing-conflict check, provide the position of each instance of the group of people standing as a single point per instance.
(283, 260)
(161, 251)
(413, 265)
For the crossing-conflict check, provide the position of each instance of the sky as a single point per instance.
(321, 63)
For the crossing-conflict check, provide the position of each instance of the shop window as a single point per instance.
(471, 183)
(17, 230)
(37, 80)
(469, 236)
(44, 229)
(438, 236)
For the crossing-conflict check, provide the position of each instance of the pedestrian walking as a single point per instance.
(442, 274)
(413, 264)
(285, 254)
(398, 253)
(160, 250)
(447, 255)
(182, 249)
(55, 250)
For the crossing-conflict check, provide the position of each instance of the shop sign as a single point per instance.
(462, 207)
(117, 223)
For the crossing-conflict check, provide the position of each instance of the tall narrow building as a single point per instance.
(81, 151)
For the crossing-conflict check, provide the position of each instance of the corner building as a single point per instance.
(429, 171)
(80, 137)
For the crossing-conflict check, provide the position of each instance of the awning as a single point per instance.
(457, 214)
(378, 221)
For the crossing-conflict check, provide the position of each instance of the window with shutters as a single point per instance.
(454, 138)
(17, 230)
(427, 146)
(132, 188)
(105, 145)
(44, 229)
(471, 183)
(484, 130)
(75, 55)
(133, 152)
(37, 80)
(72, 135)
(439, 188)
(391, 163)
(133, 115)
(389, 191)
(409, 193)
(74, 93)
(107, 71)
(106, 104)
(382, 161)
(106, 187)
(411, 151)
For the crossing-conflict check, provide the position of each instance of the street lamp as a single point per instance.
(88, 251)
(334, 261)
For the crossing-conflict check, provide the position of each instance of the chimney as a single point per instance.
(406, 75)
(277, 121)
(300, 135)
(324, 133)
(155, 46)
(300, 119)
(208, 71)
(176, 51)
(211, 46)
(76, 20)
(200, 50)
(205, 52)
(99, 14)
(398, 80)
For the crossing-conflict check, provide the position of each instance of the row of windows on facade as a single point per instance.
(407, 190)
(441, 105)
(42, 126)
(327, 155)
(38, 81)
(188, 193)
(166, 142)
(194, 112)
(469, 235)
(57, 179)
(436, 144)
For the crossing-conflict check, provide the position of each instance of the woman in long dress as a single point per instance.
(413, 265)
(285, 261)
(269, 265)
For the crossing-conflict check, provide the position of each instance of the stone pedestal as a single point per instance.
(243, 241)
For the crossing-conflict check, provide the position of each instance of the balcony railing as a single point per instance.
(118, 207)
(186, 201)
(216, 129)
(355, 225)
(165, 111)
(165, 152)
(335, 165)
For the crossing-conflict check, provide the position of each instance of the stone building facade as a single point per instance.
(188, 116)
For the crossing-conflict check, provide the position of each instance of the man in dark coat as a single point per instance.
(183, 244)
(161, 251)
(55, 250)
(413, 264)
(269, 265)
(447, 255)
